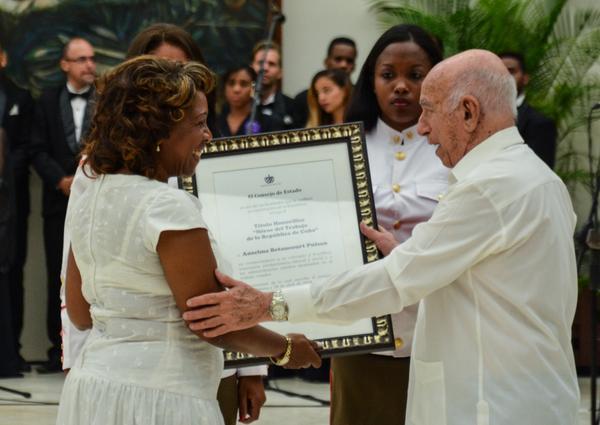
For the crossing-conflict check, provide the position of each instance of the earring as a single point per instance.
(158, 148)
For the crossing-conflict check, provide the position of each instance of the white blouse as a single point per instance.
(407, 179)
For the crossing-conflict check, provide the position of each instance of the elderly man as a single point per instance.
(494, 269)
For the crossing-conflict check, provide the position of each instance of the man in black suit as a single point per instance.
(538, 131)
(16, 111)
(61, 122)
(273, 103)
(341, 54)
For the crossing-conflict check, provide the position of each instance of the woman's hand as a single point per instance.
(251, 397)
(305, 353)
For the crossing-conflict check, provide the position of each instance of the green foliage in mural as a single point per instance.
(34, 36)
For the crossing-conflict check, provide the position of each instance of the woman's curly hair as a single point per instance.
(138, 103)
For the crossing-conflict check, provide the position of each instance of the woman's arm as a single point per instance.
(77, 307)
(189, 264)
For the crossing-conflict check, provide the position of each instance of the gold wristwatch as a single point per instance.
(278, 308)
(286, 356)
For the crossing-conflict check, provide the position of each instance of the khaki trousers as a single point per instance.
(368, 389)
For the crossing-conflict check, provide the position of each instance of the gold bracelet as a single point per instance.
(286, 356)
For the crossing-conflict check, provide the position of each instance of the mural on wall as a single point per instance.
(33, 32)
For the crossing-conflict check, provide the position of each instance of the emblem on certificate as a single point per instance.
(284, 208)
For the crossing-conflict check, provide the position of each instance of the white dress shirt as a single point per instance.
(407, 179)
(78, 105)
(495, 270)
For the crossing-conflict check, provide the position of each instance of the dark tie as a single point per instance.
(84, 96)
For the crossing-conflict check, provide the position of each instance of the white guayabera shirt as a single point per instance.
(495, 270)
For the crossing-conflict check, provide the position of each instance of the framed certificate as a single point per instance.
(284, 208)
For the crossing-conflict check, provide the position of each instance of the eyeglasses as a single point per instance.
(82, 59)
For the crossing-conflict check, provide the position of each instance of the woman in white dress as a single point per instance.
(139, 249)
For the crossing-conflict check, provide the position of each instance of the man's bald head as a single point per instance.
(481, 74)
(78, 63)
(466, 98)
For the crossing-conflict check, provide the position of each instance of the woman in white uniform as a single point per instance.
(407, 180)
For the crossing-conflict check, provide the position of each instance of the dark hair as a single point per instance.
(516, 56)
(138, 103)
(234, 70)
(316, 115)
(340, 40)
(363, 105)
(151, 38)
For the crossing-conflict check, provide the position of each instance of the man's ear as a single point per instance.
(525, 79)
(471, 111)
(64, 65)
(3, 59)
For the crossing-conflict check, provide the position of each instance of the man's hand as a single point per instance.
(383, 239)
(64, 185)
(251, 397)
(304, 353)
(218, 313)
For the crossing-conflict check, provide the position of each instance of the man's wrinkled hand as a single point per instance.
(383, 239)
(218, 313)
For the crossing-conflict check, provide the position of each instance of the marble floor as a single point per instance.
(280, 408)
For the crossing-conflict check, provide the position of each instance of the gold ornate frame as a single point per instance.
(353, 136)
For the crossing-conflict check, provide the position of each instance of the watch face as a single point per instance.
(278, 311)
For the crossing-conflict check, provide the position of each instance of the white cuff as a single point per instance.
(301, 307)
(227, 373)
(262, 370)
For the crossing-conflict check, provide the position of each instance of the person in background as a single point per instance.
(9, 361)
(273, 102)
(328, 97)
(238, 92)
(16, 116)
(341, 54)
(242, 390)
(62, 119)
(538, 131)
(139, 248)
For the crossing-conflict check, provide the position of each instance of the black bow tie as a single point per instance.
(85, 95)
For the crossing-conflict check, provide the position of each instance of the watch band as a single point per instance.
(286, 356)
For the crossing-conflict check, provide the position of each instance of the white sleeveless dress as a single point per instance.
(140, 364)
